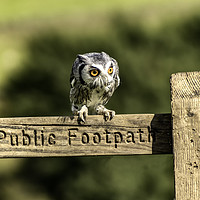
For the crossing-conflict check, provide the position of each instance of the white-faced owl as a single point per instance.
(94, 78)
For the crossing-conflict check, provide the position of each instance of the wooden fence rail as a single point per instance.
(124, 135)
(63, 136)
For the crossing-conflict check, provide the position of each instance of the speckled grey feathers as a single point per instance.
(94, 78)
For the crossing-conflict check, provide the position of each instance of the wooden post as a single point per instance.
(185, 92)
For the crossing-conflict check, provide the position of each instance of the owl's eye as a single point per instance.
(94, 72)
(110, 70)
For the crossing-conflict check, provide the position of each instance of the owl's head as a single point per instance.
(96, 69)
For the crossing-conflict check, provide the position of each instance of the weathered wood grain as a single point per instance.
(63, 136)
(185, 92)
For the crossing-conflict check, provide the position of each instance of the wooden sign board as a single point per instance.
(63, 136)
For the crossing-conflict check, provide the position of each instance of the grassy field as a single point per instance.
(17, 10)
(39, 41)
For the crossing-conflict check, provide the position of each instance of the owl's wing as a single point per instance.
(117, 81)
(116, 76)
(72, 79)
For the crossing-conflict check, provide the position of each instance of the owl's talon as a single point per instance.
(112, 114)
(106, 116)
(82, 114)
(81, 117)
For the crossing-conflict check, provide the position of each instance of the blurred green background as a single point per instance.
(39, 41)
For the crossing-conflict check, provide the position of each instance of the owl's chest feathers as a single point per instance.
(93, 97)
(96, 97)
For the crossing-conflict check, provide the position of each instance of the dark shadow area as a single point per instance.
(190, 31)
(69, 178)
(161, 130)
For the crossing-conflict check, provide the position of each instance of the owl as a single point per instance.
(94, 78)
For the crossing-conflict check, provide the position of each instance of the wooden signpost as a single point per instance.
(185, 92)
(177, 133)
(63, 136)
